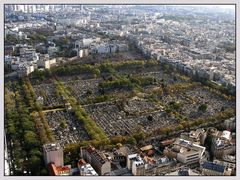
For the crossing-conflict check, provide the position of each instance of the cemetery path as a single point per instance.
(50, 110)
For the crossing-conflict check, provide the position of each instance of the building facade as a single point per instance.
(53, 153)
(97, 159)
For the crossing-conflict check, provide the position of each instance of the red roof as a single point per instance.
(56, 171)
(150, 152)
(167, 142)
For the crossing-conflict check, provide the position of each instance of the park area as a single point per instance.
(118, 98)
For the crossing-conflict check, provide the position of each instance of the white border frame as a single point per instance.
(218, 2)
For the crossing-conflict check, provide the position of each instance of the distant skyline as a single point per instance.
(213, 6)
(222, 6)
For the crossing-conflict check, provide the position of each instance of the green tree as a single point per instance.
(117, 139)
(44, 172)
(35, 152)
(35, 165)
(97, 72)
(203, 107)
(179, 127)
(131, 140)
(139, 136)
(63, 124)
(30, 139)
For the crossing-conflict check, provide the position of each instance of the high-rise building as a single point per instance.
(46, 8)
(82, 8)
(222, 143)
(97, 160)
(53, 153)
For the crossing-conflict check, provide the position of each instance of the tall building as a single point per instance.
(53, 153)
(9, 7)
(197, 137)
(230, 123)
(24, 69)
(186, 157)
(82, 10)
(185, 151)
(97, 159)
(130, 159)
(136, 164)
(25, 8)
(34, 8)
(222, 144)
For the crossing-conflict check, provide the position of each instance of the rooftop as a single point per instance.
(213, 167)
(56, 171)
(99, 155)
(88, 170)
(51, 147)
(187, 146)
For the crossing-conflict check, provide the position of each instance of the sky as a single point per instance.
(212, 6)
(219, 6)
(224, 6)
